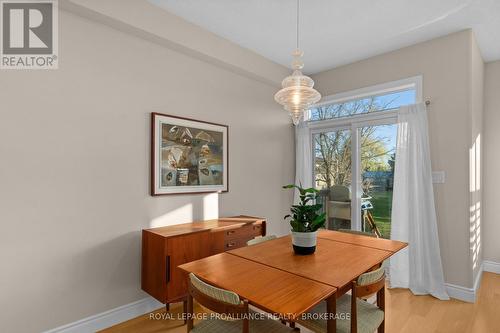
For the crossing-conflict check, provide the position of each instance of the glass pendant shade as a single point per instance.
(297, 94)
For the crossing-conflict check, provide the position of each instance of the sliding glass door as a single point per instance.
(354, 147)
(354, 171)
(332, 175)
(377, 153)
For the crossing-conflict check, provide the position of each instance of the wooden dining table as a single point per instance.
(273, 290)
(373, 242)
(271, 277)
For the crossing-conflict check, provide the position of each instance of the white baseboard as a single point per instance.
(461, 293)
(109, 318)
(469, 294)
(477, 281)
(491, 266)
(126, 312)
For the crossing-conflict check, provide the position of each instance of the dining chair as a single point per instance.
(353, 314)
(261, 239)
(385, 263)
(234, 314)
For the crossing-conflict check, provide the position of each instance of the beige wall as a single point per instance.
(475, 158)
(491, 221)
(446, 66)
(74, 170)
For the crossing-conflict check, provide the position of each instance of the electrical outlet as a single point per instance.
(438, 177)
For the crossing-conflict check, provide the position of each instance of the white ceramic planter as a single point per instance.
(304, 242)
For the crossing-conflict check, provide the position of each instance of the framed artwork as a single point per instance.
(188, 156)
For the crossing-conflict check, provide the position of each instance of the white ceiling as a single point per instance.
(338, 32)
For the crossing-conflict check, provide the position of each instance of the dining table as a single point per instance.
(271, 277)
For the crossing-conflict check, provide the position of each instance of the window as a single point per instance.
(354, 146)
(363, 105)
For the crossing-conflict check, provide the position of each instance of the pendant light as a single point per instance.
(297, 93)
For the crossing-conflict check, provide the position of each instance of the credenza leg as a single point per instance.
(185, 310)
(189, 313)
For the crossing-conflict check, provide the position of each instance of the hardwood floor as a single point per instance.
(406, 313)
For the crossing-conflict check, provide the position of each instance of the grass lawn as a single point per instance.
(382, 202)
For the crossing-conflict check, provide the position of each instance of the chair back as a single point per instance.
(217, 300)
(368, 284)
(261, 239)
(340, 193)
(338, 205)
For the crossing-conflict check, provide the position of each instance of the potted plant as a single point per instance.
(305, 220)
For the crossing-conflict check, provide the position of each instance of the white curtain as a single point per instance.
(303, 157)
(417, 267)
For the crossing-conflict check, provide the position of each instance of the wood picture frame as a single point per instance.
(188, 155)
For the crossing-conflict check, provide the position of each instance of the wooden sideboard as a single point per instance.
(165, 248)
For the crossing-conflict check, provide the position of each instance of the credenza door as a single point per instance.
(180, 250)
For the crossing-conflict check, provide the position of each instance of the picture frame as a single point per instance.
(188, 156)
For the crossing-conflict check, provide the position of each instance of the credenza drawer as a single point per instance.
(236, 243)
(246, 232)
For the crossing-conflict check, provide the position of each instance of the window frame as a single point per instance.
(414, 82)
(353, 123)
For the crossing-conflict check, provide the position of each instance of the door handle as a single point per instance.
(167, 267)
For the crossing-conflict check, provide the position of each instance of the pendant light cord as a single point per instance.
(297, 41)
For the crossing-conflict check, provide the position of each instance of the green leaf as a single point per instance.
(318, 222)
